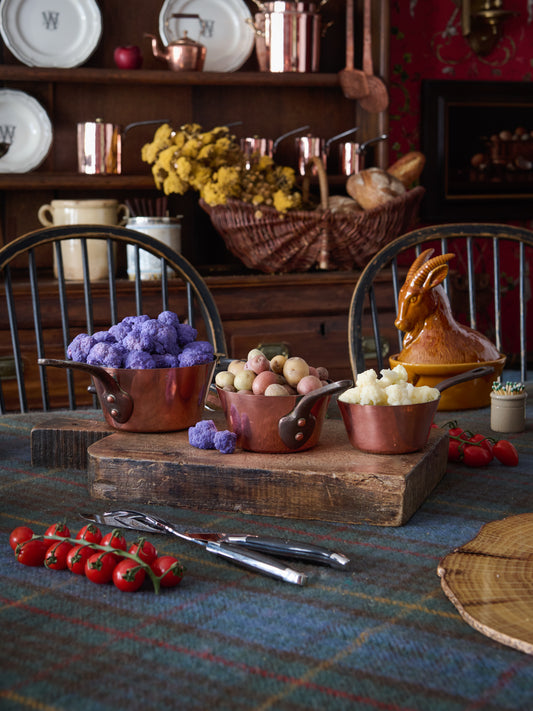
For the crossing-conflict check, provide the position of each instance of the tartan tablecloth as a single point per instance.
(380, 636)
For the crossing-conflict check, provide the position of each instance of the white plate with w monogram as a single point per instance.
(55, 33)
(26, 129)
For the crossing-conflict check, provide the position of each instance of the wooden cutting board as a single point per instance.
(331, 482)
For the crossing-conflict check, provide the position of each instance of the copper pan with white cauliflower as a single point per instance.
(388, 414)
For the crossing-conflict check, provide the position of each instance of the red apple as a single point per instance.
(128, 57)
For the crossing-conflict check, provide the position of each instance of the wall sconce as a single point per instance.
(481, 22)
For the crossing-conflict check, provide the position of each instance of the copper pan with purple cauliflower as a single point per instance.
(150, 374)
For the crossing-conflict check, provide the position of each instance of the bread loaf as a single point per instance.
(408, 168)
(342, 204)
(373, 187)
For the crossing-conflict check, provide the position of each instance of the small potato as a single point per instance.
(258, 363)
(277, 363)
(263, 380)
(276, 390)
(224, 379)
(313, 371)
(322, 373)
(254, 352)
(236, 366)
(307, 384)
(244, 380)
(295, 369)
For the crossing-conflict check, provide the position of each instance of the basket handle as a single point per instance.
(318, 163)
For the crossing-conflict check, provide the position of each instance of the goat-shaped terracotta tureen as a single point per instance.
(431, 334)
(435, 345)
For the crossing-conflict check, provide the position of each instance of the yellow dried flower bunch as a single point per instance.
(213, 164)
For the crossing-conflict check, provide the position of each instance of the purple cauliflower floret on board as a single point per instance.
(225, 441)
(110, 355)
(140, 360)
(168, 318)
(186, 334)
(202, 435)
(79, 347)
(165, 360)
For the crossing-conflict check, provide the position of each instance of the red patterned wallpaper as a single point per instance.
(426, 43)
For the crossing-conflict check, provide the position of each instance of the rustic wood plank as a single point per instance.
(62, 442)
(331, 482)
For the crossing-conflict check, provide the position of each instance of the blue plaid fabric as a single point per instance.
(381, 636)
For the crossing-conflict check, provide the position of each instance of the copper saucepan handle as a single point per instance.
(116, 401)
(298, 426)
(464, 377)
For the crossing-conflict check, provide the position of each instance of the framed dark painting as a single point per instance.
(477, 137)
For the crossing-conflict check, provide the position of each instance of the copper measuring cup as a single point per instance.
(149, 400)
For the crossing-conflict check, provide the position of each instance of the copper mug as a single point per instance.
(100, 145)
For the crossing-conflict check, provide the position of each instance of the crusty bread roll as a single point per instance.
(373, 187)
(408, 168)
(343, 204)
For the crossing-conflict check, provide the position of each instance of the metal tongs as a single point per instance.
(244, 550)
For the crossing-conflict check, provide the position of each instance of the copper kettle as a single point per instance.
(183, 55)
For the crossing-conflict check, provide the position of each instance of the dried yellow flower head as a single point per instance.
(213, 164)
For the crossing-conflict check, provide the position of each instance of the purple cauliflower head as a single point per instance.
(186, 334)
(140, 360)
(165, 360)
(80, 346)
(110, 355)
(168, 318)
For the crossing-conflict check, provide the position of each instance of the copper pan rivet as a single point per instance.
(110, 398)
(299, 436)
(301, 422)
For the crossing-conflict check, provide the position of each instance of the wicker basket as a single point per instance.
(302, 239)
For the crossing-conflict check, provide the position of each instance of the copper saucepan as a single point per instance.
(149, 400)
(277, 425)
(397, 429)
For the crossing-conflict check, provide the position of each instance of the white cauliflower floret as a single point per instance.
(351, 396)
(399, 393)
(424, 393)
(372, 395)
(397, 375)
(368, 377)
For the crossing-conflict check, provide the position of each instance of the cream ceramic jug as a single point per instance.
(83, 212)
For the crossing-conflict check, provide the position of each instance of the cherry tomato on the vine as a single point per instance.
(128, 575)
(476, 456)
(506, 453)
(99, 567)
(455, 450)
(115, 539)
(56, 555)
(455, 431)
(483, 442)
(89, 533)
(169, 570)
(32, 552)
(146, 551)
(76, 558)
(19, 535)
(58, 529)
